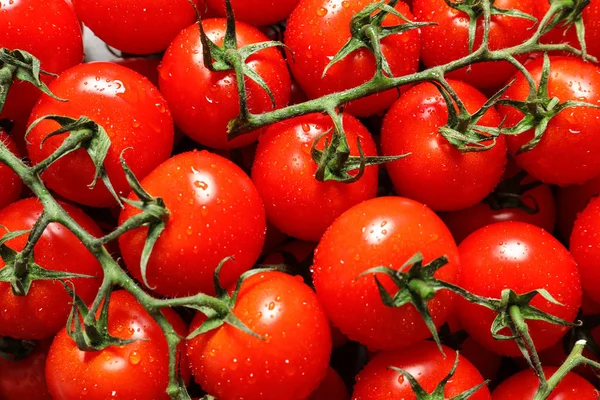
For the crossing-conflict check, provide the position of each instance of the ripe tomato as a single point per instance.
(44, 310)
(436, 173)
(25, 379)
(256, 12)
(524, 385)
(204, 109)
(569, 150)
(448, 40)
(521, 257)
(137, 26)
(318, 29)
(585, 248)
(11, 184)
(99, 375)
(214, 212)
(331, 388)
(386, 231)
(147, 67)
(284, 174)
(570, 201)
(288, 364)
(424, 362)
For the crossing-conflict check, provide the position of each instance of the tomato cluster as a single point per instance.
(412, 239)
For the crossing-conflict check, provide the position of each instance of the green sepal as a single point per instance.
(567, 17)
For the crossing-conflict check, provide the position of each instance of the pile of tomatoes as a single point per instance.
(319, 324)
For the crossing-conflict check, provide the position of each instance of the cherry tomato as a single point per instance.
(25, 378)
(11, 184)
(571, 200)
(521, 257)
(331, 388)
(386, 231)
(256, 12)
(318, 29)
(284, 174)
(203, 109)
(214, 212)
(288, 364)
(99, 375)
(569, 150)
(436, 173)
(44, 310)
(448, 40)
(424, 362)
(585, 248)
(127, 106)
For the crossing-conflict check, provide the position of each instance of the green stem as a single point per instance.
(522, 330)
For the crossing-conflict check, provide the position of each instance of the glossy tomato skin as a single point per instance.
(44, 310)
(386, 231)
(427, 364)
(585, 248)
(521, 257)
(331, 388)
(284, 174)
(568, 152)
(449, 39)
(289, 364)
(203, 109)
(214, 212)
(256, 12)
(127, 106)
(25, 378)
(571, 200)
(147, 67)
(436, 173)
(318, 29)
(10, 183)
(137, 26)
(99, 375)
(524, 385)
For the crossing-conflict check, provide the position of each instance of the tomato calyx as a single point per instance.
(15, 349)
(21, 65)
(569, 13)
(510, 194)
(439, 391)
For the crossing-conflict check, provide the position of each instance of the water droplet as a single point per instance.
(345, 4)
(401, 379)
(135, 123)
(201, 185)
(321, 12)
(135, 358)
(271, 306)
(161, 107)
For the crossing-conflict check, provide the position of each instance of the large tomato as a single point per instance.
(256, 12)
(436, 173)
(521, 257)
(318, 29)
(44, 310)
(127, 106)
(214, 212)
(10, 183)
(585, 248)
(570, 201)
(385, 231)
(203, 109)
(25, 378)
(289, 364)
(139, 370)
(284, 174)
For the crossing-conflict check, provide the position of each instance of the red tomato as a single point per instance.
(585, 248)
(44, 310)
(25, 379)
(127, 106)
(137, 26)
(386, 231)
(147, 67)
(284, 174)
(214, 212)
(204, 109)
(571, 200)
(486, 362)
(448, 40)
(436, 173)
(287, 365)
(99, 375)
(521, 257)
(256, 12)
(318, 29)
(569, 152)
(426, 364)
(331, 388)
(524, 385)
(10, 183)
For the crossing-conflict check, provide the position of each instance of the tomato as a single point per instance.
(44, 310)
(256, 12)
(331, 388)
(424, 362)
(568, 152)
(524, 385)
(137, 26)
(284, 174)
(318, 29)
(448, 40)
(436, 173)
(214, 212)
(585, 248)
(571, 200)
(25, 378)
(11, 184)
(99, 375)
(521, 257)
(386, 231)
(288, 364)
(147, 67)
(203, 109)
(486, 362)
(127, 106)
